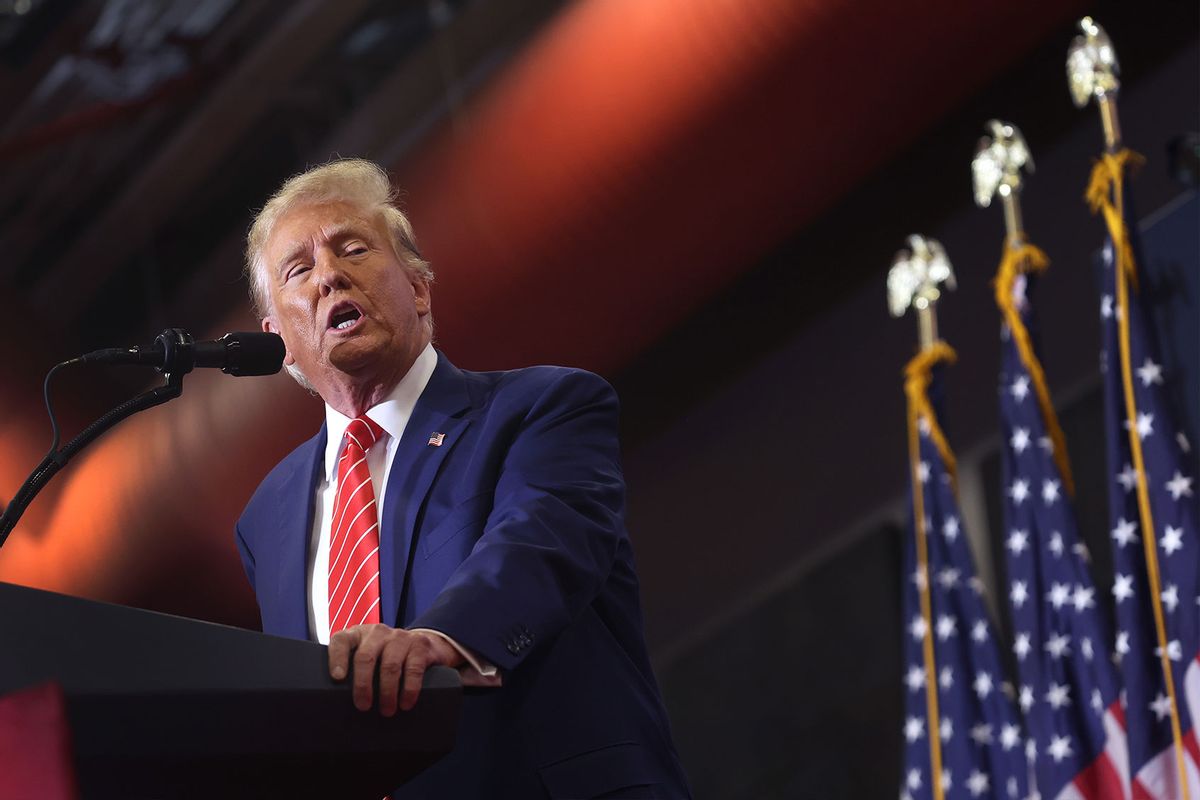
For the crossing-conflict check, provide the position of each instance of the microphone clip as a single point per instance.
(177, 357)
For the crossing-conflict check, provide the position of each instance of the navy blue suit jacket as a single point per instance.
(510, 538)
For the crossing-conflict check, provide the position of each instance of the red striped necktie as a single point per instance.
(354, 543)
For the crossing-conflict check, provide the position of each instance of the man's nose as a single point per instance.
(331, 274)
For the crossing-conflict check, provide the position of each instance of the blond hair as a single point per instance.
(357, 181)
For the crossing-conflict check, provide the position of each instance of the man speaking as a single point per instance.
(473, 520)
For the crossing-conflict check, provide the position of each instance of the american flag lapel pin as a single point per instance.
(436, 439)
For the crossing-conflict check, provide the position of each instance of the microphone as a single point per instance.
(176, 352)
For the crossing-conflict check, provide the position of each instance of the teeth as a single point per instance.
(341, 326)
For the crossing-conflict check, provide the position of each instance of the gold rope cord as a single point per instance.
(1016, 261)
(1105, 194)
(917, 376)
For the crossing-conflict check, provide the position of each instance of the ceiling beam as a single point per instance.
(193, 152)
(410, 103)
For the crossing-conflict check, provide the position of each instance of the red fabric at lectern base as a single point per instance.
(35, 745)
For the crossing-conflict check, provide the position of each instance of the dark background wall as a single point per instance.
(806, 437)
(797, 663)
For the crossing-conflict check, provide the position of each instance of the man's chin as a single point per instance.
(356, 355)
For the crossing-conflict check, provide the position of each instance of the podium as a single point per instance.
(163, 707)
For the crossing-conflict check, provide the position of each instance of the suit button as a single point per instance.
(513, 648)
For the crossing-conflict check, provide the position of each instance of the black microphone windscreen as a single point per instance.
(253, 353)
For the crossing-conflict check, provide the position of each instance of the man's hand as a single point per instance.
(401, 656)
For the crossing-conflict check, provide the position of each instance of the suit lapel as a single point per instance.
(417, 461)
(295, 535)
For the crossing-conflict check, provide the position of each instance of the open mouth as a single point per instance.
(344, 317)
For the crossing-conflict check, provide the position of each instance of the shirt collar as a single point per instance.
(392, 413)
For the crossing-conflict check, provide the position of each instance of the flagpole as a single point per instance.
(1092, 73)
(927, 326)
(1012, 218)
(1110, 122)
(1000, 159)
(913, 282)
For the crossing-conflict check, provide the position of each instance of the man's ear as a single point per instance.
(422, 297)
(268, 326)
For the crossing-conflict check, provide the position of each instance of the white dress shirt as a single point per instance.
(392, 414)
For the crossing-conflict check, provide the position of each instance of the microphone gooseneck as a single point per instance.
(176, 352)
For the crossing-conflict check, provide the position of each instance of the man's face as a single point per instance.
(343, 302)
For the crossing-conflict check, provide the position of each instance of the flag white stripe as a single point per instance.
(1191, 690)
(1159, 777)
(1116, 748)
(1070, 792)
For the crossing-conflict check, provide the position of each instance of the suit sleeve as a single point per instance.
(554, 531)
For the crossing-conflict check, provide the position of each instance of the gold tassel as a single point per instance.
(1016, 261)
(917, 375)
(1107, 183)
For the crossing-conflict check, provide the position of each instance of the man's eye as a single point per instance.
(297, 270)
(356, 250)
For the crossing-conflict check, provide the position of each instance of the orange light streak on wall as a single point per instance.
(642, 153)
(145, 516)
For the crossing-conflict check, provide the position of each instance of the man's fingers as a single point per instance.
(366, 655)
(340, 645)
(414, 675)
(391, 667)
(401, 656)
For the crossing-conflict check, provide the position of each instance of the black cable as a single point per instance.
(50, 464)
(50, 406)
(57, 458)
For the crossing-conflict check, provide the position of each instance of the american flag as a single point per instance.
(1069, 690)
(1155, 762)
(982, 744)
